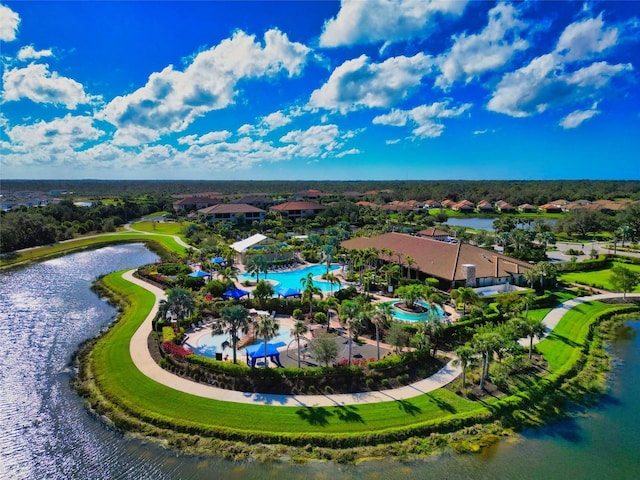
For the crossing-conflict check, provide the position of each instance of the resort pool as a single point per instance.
(414, 317)
(208, 345)
(291, 278)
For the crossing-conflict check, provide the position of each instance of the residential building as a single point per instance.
(294, 210)
(233, 212)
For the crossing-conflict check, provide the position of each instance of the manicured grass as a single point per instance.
(57, 249)
(165, 228)
(597, 278)
(564, 345)
(116, 373)
(123, 384)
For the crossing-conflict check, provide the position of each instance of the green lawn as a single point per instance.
(564, 345)
(165, 228)
(597, 278)
(116, 373)
(121, 381)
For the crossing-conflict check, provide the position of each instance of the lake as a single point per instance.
(48, 309)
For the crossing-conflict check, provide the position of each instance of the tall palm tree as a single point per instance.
(349, 311)
(532, 327)
(410, 261)
(391, 271)
(333, 280)
(332, 303)
(486, 343)
(298, 330)
(310, 290)
(381, 316)
(465, 356)
(257, 264)
(266, 328)
(236, 320)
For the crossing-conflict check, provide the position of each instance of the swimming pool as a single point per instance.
(291, 278)
(208, 345)
(415, 317)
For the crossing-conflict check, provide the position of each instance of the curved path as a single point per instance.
(144, 362)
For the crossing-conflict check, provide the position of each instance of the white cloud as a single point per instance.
(543, 83)
(9, 22)
(491, 49)
(389, 21)
(61, 133)
(29, 53)
(211, 137)
(357, 83)
(316, 141)
(171, 100)
(352, 151)
(548, 80)
(274, 120)
(586, 39)
(37, 84)
(575, 118)
(425, 118)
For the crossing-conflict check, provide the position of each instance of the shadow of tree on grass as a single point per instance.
(317, 416)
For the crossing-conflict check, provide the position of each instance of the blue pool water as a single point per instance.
(208, 345)
(414, 317)
(291, 278)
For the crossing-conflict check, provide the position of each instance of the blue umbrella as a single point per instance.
(289, 292)
(198, 274)
(235, 293)
(218, 260)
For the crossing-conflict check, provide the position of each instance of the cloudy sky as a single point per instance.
(365, 89)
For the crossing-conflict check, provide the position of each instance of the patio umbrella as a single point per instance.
(198, 274)
(218, 260)
(235, 293)
(289, 292)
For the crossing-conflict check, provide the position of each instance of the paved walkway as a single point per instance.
(145, 363)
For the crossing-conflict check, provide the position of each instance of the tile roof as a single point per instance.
(230, 208)
(297, 206)
(441, 259)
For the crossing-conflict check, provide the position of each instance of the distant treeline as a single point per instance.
(516, 192)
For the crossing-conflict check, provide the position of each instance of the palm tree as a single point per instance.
(411, 294)
(391, 271)
(310, 290)
(381, 316)
(180, 302)
(349, 310)
(236, 321)
(486, 342)
(298, 330)
(228, 274)
(257, 264)
(467, 296)
(332, 303)
(531, 276)
(327, 254)
(266, 328)
(333, 280)
(466, 356)
(410, 261)
(531, 327)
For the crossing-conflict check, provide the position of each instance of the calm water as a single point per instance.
(47, 309)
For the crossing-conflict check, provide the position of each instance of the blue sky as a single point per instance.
(350, 90)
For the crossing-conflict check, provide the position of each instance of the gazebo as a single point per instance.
(235, 293)
(289, 292)
(256, 352)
